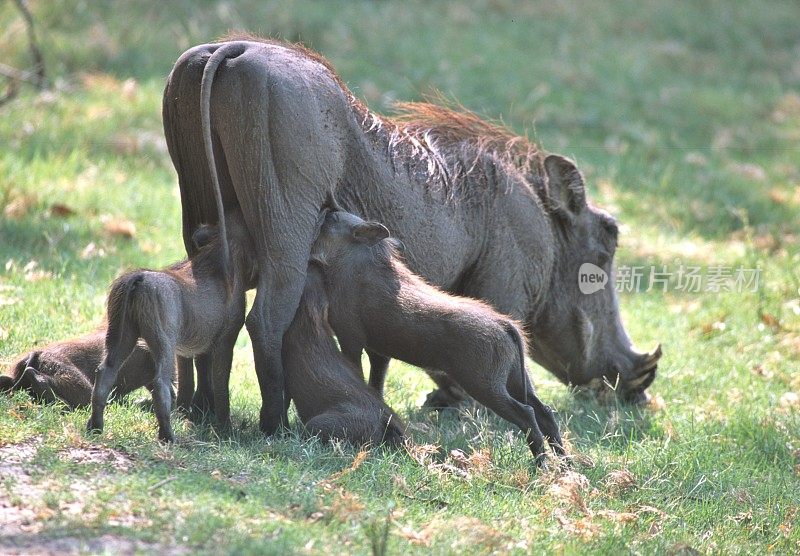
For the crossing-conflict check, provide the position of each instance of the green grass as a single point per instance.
(684, 117)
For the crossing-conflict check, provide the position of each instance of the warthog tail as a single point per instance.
(118, 312)
(513, 331)
(219, 55)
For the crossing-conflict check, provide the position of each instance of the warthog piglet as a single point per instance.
(64, 371)
(377, 303)
(331, 401)
(187, 309)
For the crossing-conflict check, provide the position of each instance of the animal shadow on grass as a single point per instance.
(611, 424)
(292, 446)
(584, 419)
(468, 427)
(205, 427)
(244, 430)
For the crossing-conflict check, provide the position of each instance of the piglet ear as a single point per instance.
(318, 258)
(203, 235)
(399, 245)
(370, 232)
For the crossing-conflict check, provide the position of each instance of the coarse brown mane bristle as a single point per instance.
(457, 124)
(457, 143)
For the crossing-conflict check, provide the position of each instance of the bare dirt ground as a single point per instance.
(24, 509)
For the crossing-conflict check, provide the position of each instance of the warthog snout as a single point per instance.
(632, 385)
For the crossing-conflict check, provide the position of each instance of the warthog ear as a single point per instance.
(370, 232)
(566, 190)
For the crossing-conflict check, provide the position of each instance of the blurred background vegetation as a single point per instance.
(670, 88)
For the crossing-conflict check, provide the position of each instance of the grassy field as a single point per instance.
(685, 118)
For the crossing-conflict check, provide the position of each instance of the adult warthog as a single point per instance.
(482, 213)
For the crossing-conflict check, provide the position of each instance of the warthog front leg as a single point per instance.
(378, 366)
(221, 360)
(352, 352)
(203, 399)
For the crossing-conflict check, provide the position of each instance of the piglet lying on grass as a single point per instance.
(331, 401)
(376, 302)
(64, 371)
(191, 308)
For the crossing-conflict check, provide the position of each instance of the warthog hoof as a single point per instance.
(271, 425)
(167, 437)
(541, 462)
(94, 428)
